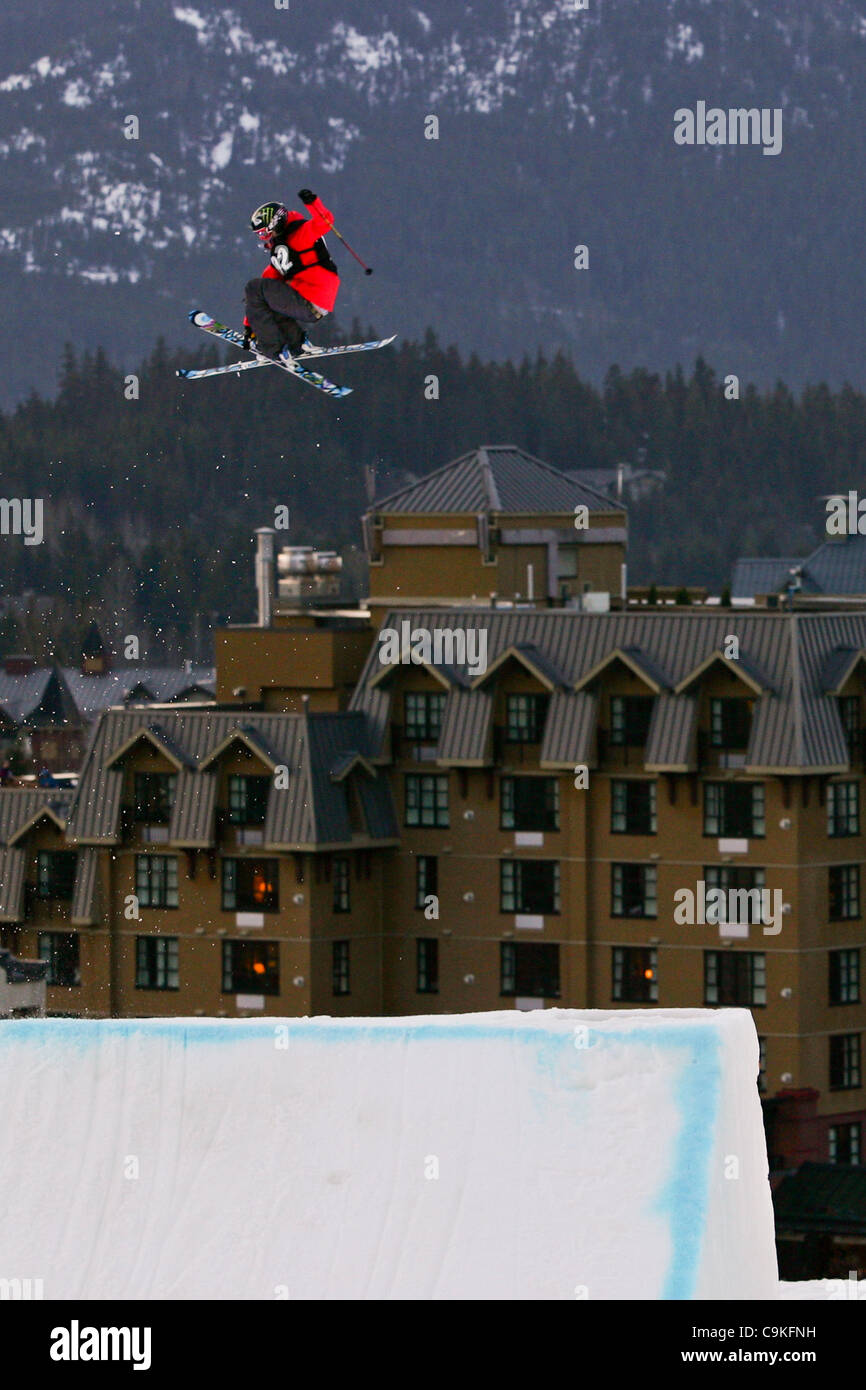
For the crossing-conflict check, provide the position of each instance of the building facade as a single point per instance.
(609, 810)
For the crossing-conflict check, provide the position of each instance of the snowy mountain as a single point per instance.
(556, 127)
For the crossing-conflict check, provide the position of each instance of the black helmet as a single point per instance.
(268, 220)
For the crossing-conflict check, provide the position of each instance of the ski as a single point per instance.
(294, 368)
(193, 374)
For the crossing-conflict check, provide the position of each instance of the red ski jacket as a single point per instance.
(316, 282)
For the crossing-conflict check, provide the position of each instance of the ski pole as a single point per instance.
(368, 269)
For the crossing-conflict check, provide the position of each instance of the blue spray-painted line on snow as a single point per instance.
(684, 1197)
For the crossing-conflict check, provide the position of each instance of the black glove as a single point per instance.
(248, 337)
(307, 197)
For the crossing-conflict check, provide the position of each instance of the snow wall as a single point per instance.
(553, 1154)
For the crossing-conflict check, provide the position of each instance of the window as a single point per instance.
(845, 1062)
(422, 712)
(340, 967)
(426, 878)
(529, 969)
(843, 1143)
(251, 967)
(426, 800)
(735, 978)
(427, 965)
(849, 712)
(843, 809)
(730, 723)
(633, 890)
(524, 718)
(844, 891)
(762, 1065)
(633, 808)
(248, 800)
(154, 797)
(743, 888)
(845, 977)
(734, 809)
(635, 974)
(60, 949)
(251, 885)
(342, 879)
(156, 962)
(55, 873)
(156, 880)
(529, 803)
(630, 719)
(529, 885)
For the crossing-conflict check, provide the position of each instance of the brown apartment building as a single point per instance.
(526, 831)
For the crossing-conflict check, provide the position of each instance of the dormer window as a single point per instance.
(731, 723)
(630, 719)
(248, 800)
(55, 874)
(154, 797)
(423, 712)
(849, 711)
(524, 718)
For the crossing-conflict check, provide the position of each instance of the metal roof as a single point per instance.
(837, 567)
(11, 885)
(84, 889)
(311, 811)
(497, 478)
(795, 724)
(159, 684)
(762, 575)
(20, 805)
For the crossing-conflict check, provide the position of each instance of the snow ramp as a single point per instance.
(552, 1154)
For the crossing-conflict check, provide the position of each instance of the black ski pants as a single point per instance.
(275, 313)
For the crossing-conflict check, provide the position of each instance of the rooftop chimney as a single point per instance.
(265, 574)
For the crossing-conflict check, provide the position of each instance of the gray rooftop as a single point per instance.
(794, 725)
(837, 568)
(314, 811)
(498, 478)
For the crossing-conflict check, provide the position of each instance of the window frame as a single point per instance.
(156, 881)
(341, 875)
(514, 951)
(849, 816)
(546, 817)
(516, 892)
(435, 786)
(620, 872)
(230, 865)
(148, 949)
(251, 983)
(46, 885)
(238, 798)
(534, 706)
(48, 939)
(622, 973)
(148, 809)
(426, 965)
(749, 967)
(722, 792)
(843, 976)
(422, 885)
(428, 712)
(341, 977)
(621, 788)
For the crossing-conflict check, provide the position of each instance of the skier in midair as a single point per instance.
(300, 283)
